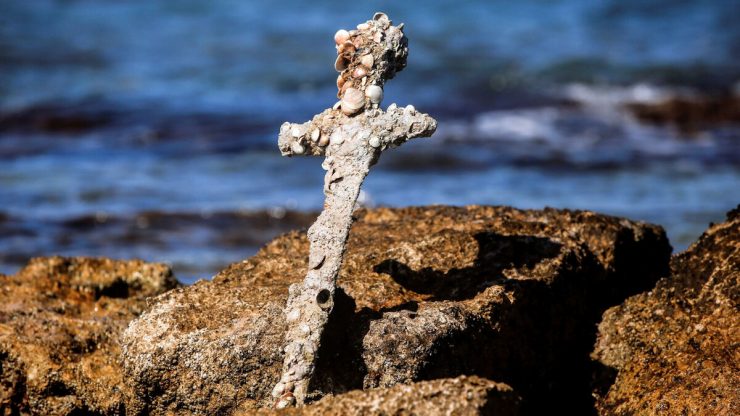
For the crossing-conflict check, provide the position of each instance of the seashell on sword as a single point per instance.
(341, 36)
(353, 101)
(374, 93)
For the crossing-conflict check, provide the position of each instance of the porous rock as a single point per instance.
(677, 347)
(424, 293)
(60, 324)
(464, 395)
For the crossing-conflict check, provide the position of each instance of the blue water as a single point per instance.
(148, 128)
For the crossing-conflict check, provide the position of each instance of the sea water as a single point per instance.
(148, 128)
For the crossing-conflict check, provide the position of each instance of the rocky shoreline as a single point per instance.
(441, 310)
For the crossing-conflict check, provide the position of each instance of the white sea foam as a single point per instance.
(598, 126)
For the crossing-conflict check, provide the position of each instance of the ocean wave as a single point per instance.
(606, 125)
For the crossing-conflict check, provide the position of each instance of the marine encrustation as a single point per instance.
(351, 136)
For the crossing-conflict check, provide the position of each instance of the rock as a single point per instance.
(457, 396)
(424, 293)
(677, 347)
(60, 323)
(691, 114)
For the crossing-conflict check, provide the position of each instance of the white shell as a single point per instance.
(374, 141)
(336, 105)
(284, 402)
(278, 389)
(374, 93)
(382, 20)
(296, 132)
(359, 72)
(315, 135)
(337, 137)
(367, 61)
(363, 26)
(341, 36)
(380, 16)
(297, 148)
(324, 140)
(293, 315)
(392, 107)
(352, 101)
(410, 109)
(315, 260)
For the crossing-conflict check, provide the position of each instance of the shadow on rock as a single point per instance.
(426, 293)
(539, 343)
(496, 253)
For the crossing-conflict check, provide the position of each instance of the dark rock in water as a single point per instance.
(690, 115)
(149, 231)
(59, 117)
(677, 347)
(60, 324)
(425, 293)
(464, 395)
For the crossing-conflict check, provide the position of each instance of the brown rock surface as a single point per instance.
(425, 293)
(60, 323)
(464, 395)
(677, 347)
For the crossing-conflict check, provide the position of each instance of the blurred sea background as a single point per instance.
(148, 128)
